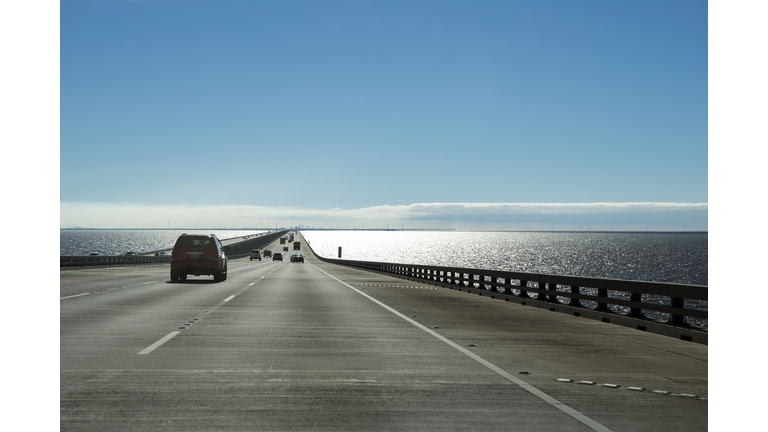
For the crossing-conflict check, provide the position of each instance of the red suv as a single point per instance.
(197, 255)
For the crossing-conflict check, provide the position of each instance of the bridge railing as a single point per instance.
(80, 261)
(235, 250)
(668, 303)
(635, 298)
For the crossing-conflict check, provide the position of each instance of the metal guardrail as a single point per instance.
(80, 261)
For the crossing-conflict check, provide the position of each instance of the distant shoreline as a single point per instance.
(385, 229)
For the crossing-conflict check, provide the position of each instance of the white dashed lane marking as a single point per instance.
(106, 290)
(152, 347)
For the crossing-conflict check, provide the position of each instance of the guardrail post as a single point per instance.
(571, 300)
(523, 286)
(602, 292)
(636, 297)
(552, 287)
(677, 302)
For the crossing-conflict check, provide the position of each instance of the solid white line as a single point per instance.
(77, 295)
(152, 347)
(533, 390)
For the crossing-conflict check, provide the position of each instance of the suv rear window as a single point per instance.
(189, 241)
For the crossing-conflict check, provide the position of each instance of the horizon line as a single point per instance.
(391, 229)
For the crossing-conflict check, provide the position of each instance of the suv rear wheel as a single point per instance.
(220, 275)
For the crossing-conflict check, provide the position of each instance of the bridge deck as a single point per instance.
(316, 346)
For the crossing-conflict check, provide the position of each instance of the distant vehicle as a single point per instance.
(94, 254)
(296, 245)
(131, 254)
(198, 254)
(283, 239)
(285, 248)
(277, 256)
(267, 253)
(255, 254)
(297, 258)
(161, 254)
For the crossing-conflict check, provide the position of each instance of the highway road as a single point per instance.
(315, 346)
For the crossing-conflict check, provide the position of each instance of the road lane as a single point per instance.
(291, 346)
(297, 349)
(106, 314)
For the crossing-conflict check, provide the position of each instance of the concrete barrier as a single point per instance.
(662, 308)
(81, 261)
(241, 249)
(235, 250)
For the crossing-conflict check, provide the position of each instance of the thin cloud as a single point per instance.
(431, 215)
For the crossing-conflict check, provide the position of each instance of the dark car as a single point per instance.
(196, 254)
(267, 253)
(277, 256)
(297, 258)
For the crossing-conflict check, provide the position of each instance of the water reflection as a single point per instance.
(677, 258)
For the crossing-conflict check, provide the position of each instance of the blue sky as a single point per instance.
(323, 112)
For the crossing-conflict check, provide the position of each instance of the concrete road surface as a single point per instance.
(284, 346)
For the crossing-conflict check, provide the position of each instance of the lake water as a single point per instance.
(655, 257)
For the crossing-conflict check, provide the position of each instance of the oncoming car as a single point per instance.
(297, 258)
(196, 254)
